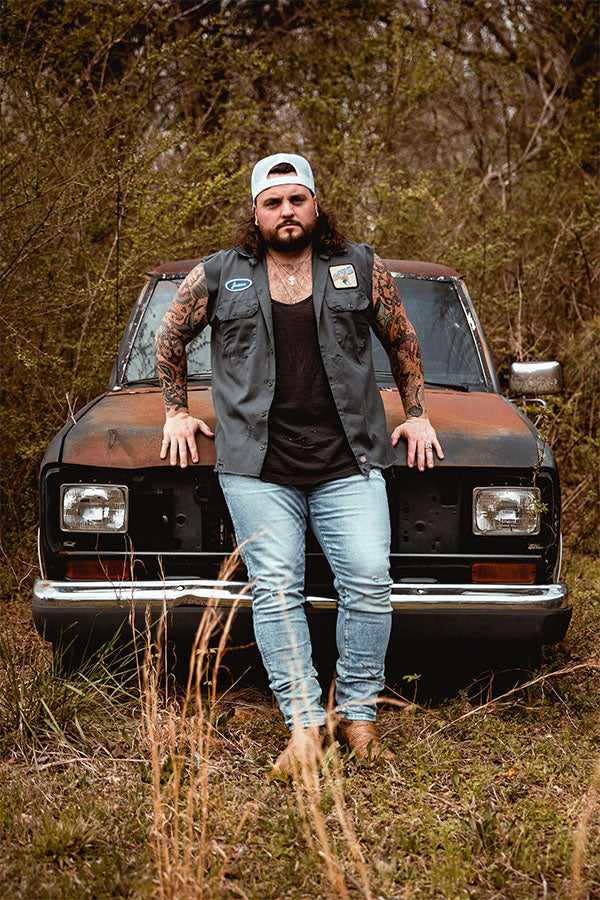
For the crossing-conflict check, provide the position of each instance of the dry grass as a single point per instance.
(578, 888)
(163, 793)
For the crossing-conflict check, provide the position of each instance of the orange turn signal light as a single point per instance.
(97, 569)
(523, 573)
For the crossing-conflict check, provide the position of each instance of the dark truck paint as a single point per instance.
(179, 533)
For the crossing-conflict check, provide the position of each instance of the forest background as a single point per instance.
(456, 131)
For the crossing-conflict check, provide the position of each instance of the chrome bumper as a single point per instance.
(198, 592)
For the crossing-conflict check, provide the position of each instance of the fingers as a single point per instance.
(429, 454)
(173, 452)
(411, 450)
(179, 439)
(205, 430)
(177, 447)
(182, 447)
(425, 449)
(178, 444)
(421, 442)
(421, 455)
(430, 446)
(396, 435)
(193, 447)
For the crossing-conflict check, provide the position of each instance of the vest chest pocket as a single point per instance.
(351, 314)
(237, 321)
(347, 300)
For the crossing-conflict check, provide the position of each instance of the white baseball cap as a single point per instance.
(260, 180)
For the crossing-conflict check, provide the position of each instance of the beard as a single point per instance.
(280, 242)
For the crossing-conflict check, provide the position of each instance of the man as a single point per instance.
(301, 434)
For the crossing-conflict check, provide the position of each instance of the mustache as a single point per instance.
(290, 222)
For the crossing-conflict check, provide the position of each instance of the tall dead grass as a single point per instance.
(181, 733)
(590, 801)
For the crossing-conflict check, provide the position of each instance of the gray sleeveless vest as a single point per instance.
(243, 355)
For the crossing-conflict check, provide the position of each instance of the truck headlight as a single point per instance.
(506, 510)
(94, 507)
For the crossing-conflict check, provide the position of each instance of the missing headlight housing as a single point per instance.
(506, 510)
(94, 507)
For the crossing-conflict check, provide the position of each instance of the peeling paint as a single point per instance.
(475, 429)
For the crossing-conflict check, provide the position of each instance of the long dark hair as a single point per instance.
(326, 236)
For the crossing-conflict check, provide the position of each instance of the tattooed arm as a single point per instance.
(397, 335)
(185, 318)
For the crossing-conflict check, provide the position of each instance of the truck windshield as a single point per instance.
(434, 308)
(445, 339)
(141, 365)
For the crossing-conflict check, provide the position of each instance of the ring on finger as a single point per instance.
(428, 446)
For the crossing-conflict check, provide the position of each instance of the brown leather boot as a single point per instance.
(304, 749)
(361, 736)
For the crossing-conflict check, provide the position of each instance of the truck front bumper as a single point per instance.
(421, 611)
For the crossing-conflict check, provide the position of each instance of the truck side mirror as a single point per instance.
(533, 378)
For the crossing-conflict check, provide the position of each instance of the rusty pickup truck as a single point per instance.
(476, 542)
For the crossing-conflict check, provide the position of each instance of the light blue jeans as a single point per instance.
(350, 519)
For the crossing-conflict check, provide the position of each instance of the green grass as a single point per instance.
(481, 803)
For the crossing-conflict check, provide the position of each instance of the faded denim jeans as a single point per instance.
(350, 519)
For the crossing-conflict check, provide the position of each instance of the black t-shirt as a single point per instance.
(307, 443)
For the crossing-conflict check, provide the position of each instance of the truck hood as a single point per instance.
(123, 429)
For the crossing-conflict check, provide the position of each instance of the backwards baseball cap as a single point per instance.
(261, 181)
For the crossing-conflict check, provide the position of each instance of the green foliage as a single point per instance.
(69, 840)
(450, 131)
(42, 706)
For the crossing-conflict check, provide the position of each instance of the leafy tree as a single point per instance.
(461, 131)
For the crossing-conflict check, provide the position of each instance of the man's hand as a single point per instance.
(421, 439)
(179, 437)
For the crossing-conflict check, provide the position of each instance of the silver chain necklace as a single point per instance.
(291, 292)
(290, 274)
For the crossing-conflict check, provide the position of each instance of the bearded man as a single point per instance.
(301, 435)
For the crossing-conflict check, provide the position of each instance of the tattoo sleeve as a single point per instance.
(398, 337)
(184, 319)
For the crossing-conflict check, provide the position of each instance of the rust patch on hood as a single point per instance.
(416, 267)
(124, 429)
(474, 429)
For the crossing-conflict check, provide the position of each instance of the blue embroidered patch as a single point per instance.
(238, 284)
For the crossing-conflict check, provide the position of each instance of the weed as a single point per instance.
(39, 705)
(67, 840)
(167, 794)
